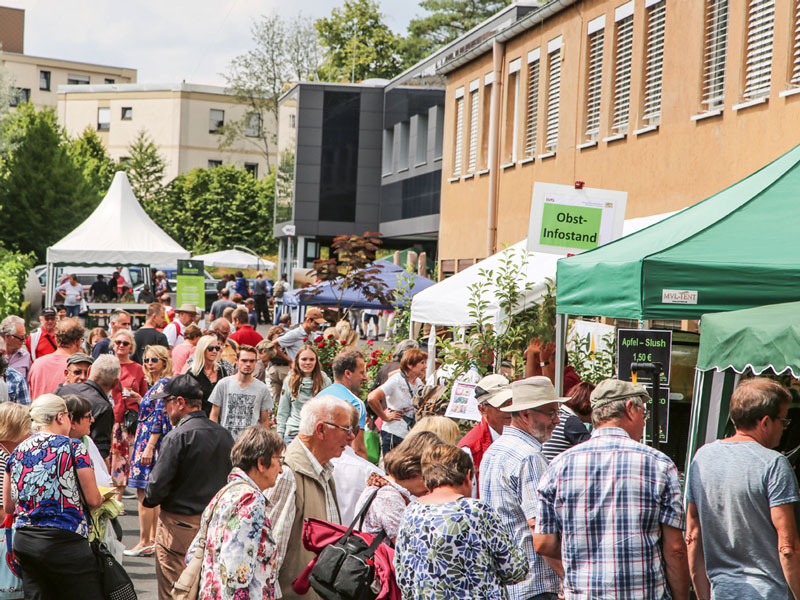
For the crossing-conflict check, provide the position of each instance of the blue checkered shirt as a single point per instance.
(510, 473)
(17, 387)
(608, 498)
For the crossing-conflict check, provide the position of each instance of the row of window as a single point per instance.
(216, 120)
(528, 128)
(397, 152)
(72, 79)
(251, 168)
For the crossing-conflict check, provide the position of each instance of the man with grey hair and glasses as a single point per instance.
(741, 500)
(610, 508)
(306, 487)
(12, 329)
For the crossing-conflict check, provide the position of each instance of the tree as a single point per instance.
(206, 210)
(145, 167)
(357, 44)
(90, 156)
(447, 20)
(43, 194)
(284, 52)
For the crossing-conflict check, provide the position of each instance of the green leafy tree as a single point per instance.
(206, 210)
(43, 194)
(13, 275)
(90, 156)
(446, 20)
(145, 167)
(357, 44)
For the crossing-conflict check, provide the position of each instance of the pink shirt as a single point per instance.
(46, 373)
(180, 354)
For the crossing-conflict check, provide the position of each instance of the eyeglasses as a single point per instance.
(87, 416)
(281, 459)
(66, 414)
(151, 360)
(79, 371)
(550, 414)
(168, 399)
(122, 343)
(16, 337)
(214, 348)
(786, 422)
(49, 318)
(645, 411)
(124, 325)
(347, 430)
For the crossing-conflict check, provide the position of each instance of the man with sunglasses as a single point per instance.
(42, 341)
(12, 329)
(611, 510)
(510, 471)
(741, 501)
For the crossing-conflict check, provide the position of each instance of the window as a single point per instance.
(103, 119)
(338, 170)
(623, 52)
(127, 113)
(388, 151)
(421, 150)
(403, 132)
(474, 105)
(457, 155)
(20, 96)
(438, 139)
(532, 114)
(594, 76)
(758, 48)
(553, 93)
(77, 79)
(794, 74)
(252, 168)
(124, 159)
(512, 112)
(715, 46)
(252, 128)
(488, 80)
(109, 80)
(653, 61)
(213, 164)
(44, 80)
(216, 119)
(292, 121)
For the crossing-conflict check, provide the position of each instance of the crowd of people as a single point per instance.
(231, 442)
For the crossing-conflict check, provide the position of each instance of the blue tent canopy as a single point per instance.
(331, 293)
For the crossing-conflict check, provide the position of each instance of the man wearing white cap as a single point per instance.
(490, 392)
(610, 508)
(183, 318)
(510, 473)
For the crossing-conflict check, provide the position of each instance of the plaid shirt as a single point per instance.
(17, 387)
(608, 498)
(510, 471)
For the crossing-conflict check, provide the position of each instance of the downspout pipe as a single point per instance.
(498, 54)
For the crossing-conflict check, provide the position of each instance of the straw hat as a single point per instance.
(532, 392)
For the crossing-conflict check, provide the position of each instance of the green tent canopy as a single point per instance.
(737, 249)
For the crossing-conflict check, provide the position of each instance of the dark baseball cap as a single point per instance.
(49, 312)
(184, 385)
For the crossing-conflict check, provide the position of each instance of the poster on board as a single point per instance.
(191, 283)
(566, 220)
(463, 404)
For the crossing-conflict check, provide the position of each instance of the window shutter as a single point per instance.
(654, 62)
(594, 83)
(473, 131)
(623, 53)
(459, 135)
(553, 97)
(795, 78)
(531, 117)
(714, 50)
(758, 48)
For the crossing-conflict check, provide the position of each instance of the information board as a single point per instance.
(463, 404)
(191, 283)
(643, 345)
(663, 415)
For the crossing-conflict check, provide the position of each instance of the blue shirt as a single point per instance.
(17, 387)
(510, 472)
(339, 391)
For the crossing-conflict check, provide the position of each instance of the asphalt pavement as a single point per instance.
(142, 570)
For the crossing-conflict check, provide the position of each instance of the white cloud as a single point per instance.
(165, 40)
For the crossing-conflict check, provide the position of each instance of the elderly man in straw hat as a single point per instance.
(184, 316)
(610, 508)
(510, 473)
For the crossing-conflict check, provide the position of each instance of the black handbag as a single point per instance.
(114, 579)
(345, 570)
(130, 420)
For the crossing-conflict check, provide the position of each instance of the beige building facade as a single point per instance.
(669, 100)
(182, 119)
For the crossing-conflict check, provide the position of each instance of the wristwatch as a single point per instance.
(544, 364)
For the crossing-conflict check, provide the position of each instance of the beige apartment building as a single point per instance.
(37, 79)
(669, 100)
(182, 119)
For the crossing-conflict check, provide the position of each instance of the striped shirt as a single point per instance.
(510, 473)
(608, 498)
(565, 435)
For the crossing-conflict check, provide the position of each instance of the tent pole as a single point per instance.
(561, 345)
(50, 288)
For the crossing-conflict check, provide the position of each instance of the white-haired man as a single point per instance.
(306, 488)
(12, 329)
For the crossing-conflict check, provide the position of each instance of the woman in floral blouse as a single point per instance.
(239, 562)
(452, 546)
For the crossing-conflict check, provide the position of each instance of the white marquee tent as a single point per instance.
(235, 259)
(446, 302)
(117, 233)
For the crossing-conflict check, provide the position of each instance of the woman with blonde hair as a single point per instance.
(15, 426)
(205, 367)
(43, 493)
(444, 427)
(304, 382)
(152, 426)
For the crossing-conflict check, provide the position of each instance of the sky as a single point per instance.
(165, 40)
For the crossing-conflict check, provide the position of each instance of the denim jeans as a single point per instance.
(73, 311)
(389, 441)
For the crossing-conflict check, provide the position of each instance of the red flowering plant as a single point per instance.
(327, 347)
(376, 358)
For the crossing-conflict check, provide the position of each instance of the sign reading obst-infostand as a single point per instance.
(567, 220)
(191, 283)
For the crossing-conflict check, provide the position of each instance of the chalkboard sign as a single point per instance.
(643, 345)
(663, 415)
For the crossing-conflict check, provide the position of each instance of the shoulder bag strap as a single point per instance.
(359, 518)
(89, 518)
(201, 542)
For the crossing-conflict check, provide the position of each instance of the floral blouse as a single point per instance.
(457, 550)
(239, 562)
(386, 511)
(43, 484)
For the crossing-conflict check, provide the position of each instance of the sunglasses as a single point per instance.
(16, 337)
(122, 343)
(214, 348)
(151, 360)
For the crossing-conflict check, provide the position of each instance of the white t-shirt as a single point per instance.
(72, 293)
(174, 333)
(350, 473)
(240, 407)
(101, 475)
(399, 397)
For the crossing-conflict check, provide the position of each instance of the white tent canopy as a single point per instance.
(446, 303)
(234, 259)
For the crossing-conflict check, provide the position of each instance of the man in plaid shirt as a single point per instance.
(510, 472)
(610, 508)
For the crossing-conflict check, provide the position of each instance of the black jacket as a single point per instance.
(102, 411)
(193, 464)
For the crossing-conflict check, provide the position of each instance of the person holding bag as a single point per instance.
(234, 553)
(44, 495)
